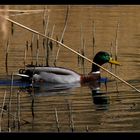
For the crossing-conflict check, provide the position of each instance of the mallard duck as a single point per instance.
(64, 75)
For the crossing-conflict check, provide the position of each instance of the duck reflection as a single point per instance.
(50, 89)
(100, 98)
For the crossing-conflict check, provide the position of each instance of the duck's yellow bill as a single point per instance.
(114, 62)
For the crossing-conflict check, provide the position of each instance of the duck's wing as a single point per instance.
(54, 70)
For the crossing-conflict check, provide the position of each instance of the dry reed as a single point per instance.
(6, 57)
(10, 100)
(3, 104)
(25, 54)
(87, 129)
(82, 50)
(93, 38)
(3, 22)
(71, 121)
(12, 29)
(62, 36)
(18, 110)
(116, 52)
(31, 46)
(37, 50)
(57, 120)
(14, 116)
(45, 40)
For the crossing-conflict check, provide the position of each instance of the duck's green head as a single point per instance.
(102, 58)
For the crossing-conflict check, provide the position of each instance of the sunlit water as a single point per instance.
(67, 108)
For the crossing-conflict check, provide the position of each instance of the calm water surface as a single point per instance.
(75, 108)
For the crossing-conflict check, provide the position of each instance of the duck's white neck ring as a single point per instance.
(96, 72)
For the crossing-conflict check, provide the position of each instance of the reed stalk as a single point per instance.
(9, 129)
(57, 120)
(11, 115)
(116, 41)
(37, 50)
(116, 52)
(32, 109)
(116, 46)
(32, 106)
(71, 122)
(46, 49)
(52, 31)
(73, 51)
(51, 35)
(61, 39)
(31, 46)
(47, 24)
(82, 50)
(50, 45)
(12, 29)
(18, 110)
(78, 57)
(27, 45)
(6, 57)
(14, 122)
(3, 104)
(44, 16)
(24, 13)
(93, 39)
(3, 22)
(10, 100)
(45, 20)
(87, 130)
(25, 54)
(111, 54)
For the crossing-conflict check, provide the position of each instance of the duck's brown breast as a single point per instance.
(90, 77)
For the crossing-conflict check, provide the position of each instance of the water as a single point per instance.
(48, 108)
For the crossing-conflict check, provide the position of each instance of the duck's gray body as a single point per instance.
(53, 74)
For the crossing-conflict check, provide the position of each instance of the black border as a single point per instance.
(100, 2)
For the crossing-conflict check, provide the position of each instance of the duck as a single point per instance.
(61, 75)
